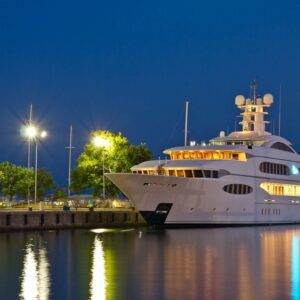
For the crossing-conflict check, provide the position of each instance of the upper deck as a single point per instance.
(237, 147)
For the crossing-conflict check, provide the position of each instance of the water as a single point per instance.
(221, 263)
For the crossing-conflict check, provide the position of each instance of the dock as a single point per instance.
(18, 220)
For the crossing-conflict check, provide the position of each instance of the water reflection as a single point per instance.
(98, 281)
(224, 263)
(295, 292)
(35, 278)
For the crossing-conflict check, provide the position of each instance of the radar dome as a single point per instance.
(248, 101)
(268, 99)
(259, 101)
(239, 100)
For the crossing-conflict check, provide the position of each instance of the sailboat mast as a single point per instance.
(70, 160)
(186, 122)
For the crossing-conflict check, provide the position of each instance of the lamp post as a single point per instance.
(101, 143)
(42, 135)
(30, 134)
(33, 134)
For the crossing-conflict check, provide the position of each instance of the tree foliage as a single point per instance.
(16, 180)
(119, 157)
(45, 183)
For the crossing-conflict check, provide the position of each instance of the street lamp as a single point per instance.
(32, 133)
(101, 143)
(43, 134)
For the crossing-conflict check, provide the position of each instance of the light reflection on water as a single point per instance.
(98, 281)
(35, 278)
(295, 292)
(221, 263)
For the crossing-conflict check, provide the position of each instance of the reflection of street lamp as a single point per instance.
(32, 133)
(100, 142)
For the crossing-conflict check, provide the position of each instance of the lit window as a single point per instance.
(281, 189)
(294, 170)
(209, 155)
(172, 173)
(180, 173)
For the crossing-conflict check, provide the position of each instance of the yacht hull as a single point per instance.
(178, 201)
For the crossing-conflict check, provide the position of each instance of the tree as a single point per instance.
(59, 193)
(45, 183)
(119, 157)
(14, 180)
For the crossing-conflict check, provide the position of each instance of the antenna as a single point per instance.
(70, 159)
(254, 87)
(279, 113)
(186, 121)
(272, 126)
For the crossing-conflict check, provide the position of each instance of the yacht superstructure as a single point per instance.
(246, 177)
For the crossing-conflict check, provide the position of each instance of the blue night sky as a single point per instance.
(129, 65)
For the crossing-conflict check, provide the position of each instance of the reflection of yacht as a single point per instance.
(247, 177)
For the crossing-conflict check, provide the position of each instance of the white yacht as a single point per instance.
(247, 177)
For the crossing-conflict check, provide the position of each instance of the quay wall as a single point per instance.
(23, 220)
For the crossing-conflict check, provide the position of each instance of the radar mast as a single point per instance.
(253, 111)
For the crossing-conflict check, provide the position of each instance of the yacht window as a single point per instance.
(180, 173)
(243, 189)
(161, 171)
(209, 155)
(282, 146)
(140, 172)
(198, 173)
(145, 172)
(239, 189)
(281, 189)
(235, 189)
(215, 174)
(207, 173)
(273, 168)
(188, 173)
(134, 172)
(172, 173)
(186, 155)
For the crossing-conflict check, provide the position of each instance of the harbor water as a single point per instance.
(211, 263)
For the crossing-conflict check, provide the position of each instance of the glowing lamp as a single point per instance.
(44, 134)
(99, 142)
(30, 132)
